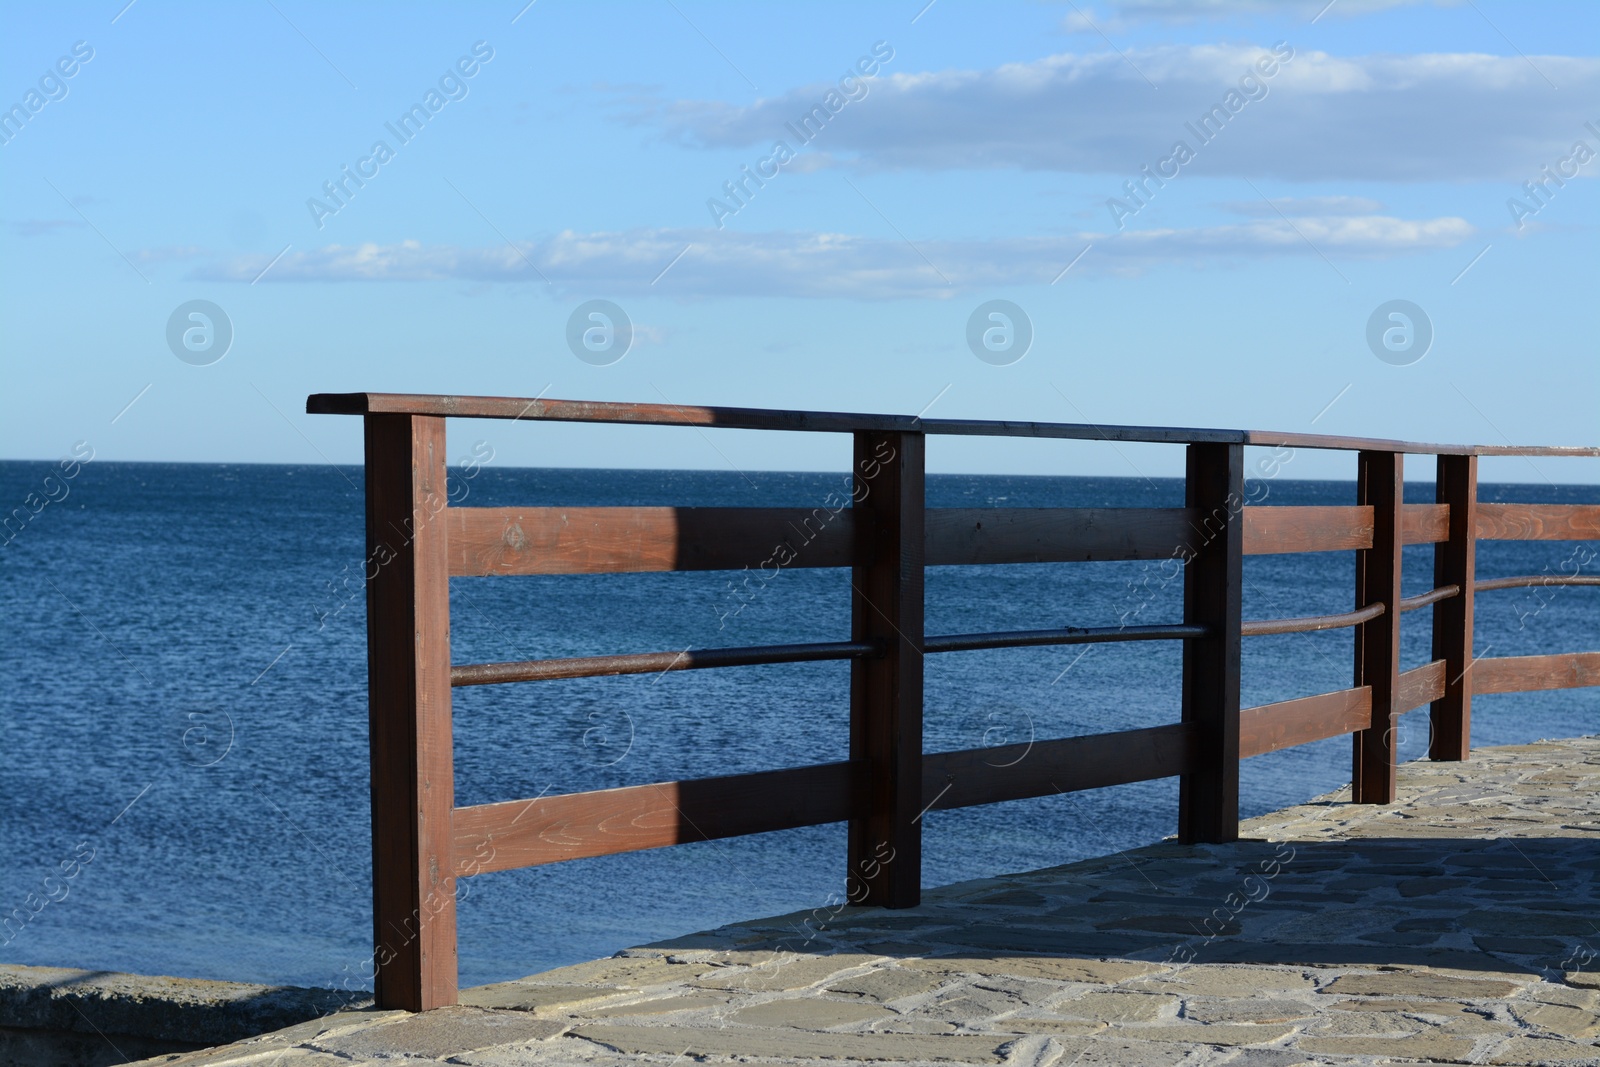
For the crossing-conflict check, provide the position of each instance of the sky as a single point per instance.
(1364, 217)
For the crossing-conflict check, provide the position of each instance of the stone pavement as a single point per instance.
(1461, 925)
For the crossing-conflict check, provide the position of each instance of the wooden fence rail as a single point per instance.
(422, 842)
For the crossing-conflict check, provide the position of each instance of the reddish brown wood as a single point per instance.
(486, 541)
(1309, 623)
(1518, 674)
(1538, 522)
(1422, 524)
(1269, 530)
(1042, 768)
(1053, 535)
(1208, 796)
(1287, 723)
(1455, 562)
(885, 839)
(408, 678)
(1379, 483)
(1420, 685)
(552, 829)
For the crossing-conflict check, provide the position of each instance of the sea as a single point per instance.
(183, 742)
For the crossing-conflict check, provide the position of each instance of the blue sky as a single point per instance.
(1359, 153)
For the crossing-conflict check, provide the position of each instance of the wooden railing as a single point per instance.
(422, 842)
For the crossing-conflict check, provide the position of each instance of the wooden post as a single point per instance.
(1380, 483)
(885, 850)
(408, 679)
(1455, 563)
(1213, 580)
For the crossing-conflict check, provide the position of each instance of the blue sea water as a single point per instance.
(183, 754)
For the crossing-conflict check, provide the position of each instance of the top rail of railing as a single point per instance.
(535, 409)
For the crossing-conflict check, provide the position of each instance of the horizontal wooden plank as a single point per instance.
(1520, 674)
(1054, 535)
(538, 409)
(1420, 685)
(487, 541)
(1538, 522)
(528, 833)
(1042, 768)
(1424, 524)
(551, 410)
(1272, 530)
(1288, 723)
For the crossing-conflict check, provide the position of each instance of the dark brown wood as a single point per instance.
(1042, 768)
(1519, 674)
(1270, 530)
(408, 678)
(1287, 723)
(552, 829)
(1423, 524)
(1308, 623)
(1538, 522)
(689, 659)
(1053, 535)
(1072, 635)
(1379, 483)
(1419, 686)
(1455, 562)
(521, 408)
(1524, 581)
(885, 838)
(1208, 796)
(486, 541)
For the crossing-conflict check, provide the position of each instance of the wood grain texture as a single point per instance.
(886, 608)
(489, 541)
(1424, 524)
(1520, 674)
(1420, 685)
(1043, 768)
(1272, 530)
(1538, 522)
(1213, 580)
(1288, 723)
(528, 833)
(1380, 483)
(1455, 562)
(408, 680)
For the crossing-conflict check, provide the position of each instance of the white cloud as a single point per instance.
(722, 263)
(1319, 117)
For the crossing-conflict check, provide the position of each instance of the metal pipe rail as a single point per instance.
(422, 841)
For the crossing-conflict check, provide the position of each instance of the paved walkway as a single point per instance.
(1459, 926)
